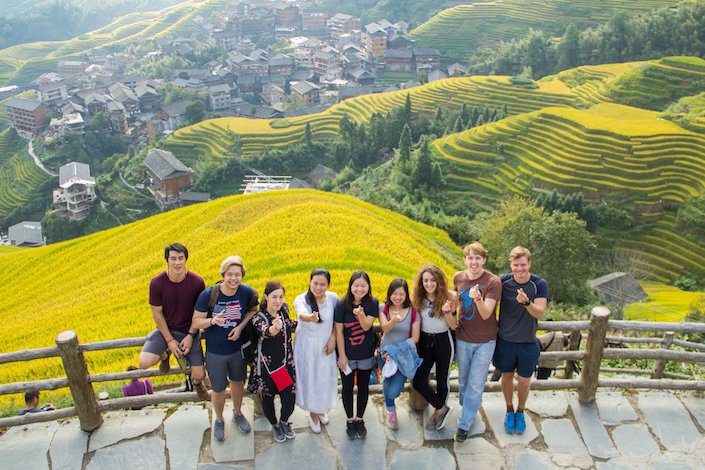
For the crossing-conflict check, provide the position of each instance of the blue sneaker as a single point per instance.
(509, 422)
(519, 423)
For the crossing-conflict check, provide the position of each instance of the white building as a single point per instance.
(26, 233)
(76, 191)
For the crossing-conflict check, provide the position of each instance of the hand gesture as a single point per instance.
(475, 292)
(315, 317)
(522, 298)
(219, 319)
(396, 318)
(447, 307)
(278, 324)
(358, 311)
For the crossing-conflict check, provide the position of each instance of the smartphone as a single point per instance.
(347, 370)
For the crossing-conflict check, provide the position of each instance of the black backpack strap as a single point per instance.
(215, 291)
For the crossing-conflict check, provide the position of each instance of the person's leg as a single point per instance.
(218, 400)
(508, 389)
(268, 409)
(523, 386)
(288, 399)
(347, 393)
(444, 357)
(420, 380)
(154, 350)
(363, 391)
(463, 356)
(392, 387)
(527, 360)
(477, 377)
(218, 372)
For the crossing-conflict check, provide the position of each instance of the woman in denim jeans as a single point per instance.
(399, 322)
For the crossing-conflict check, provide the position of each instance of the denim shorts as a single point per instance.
(522, 357)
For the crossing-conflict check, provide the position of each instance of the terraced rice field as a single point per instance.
(609, 153)
(215, 138)
(23, 63)
(460, 30)
(97, 285)
(658, 83)
(665, 303)
(19, 177)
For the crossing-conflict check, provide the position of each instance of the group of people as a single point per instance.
(335, 338)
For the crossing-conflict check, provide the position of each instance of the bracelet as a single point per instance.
(211, 321)
(172, 339)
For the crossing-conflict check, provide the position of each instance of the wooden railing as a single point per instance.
(88, 408)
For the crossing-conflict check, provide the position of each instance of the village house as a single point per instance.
(308, 91)
(399, 60)
(427, 56)
(220, 97)
(167, 177)
(51, 89)
(71, 67)
(342, 23)
(117, 115)
(26, 233)
(72, 123)
(281, 64)
(26, 115)
(125, 96)
(76, 191)
(314, 22)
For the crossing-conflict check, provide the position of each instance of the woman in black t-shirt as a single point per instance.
(354, 316)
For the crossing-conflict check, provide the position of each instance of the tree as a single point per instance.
(568, 48)
(560, 244)
(422, 175)
(405, 145)
(406, 116)
(458, 126)
(308, 135)
(195, 112)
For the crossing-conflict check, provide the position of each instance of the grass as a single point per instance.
(665, 303)
(97, 285)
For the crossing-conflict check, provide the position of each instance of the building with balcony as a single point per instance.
(167, 177)
(76, 191)
(26, 115)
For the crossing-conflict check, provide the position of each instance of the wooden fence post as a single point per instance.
(416, 401)
(573, 345)
(660, 364)
(79, 381)
(593, 354)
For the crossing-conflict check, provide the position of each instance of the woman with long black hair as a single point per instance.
(354, 316)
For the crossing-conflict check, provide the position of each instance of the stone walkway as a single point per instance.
(646, 430)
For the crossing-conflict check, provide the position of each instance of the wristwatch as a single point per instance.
(527, 303)
(193, 335)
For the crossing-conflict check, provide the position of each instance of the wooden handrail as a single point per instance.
(88, 408)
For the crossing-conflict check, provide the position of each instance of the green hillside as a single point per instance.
(97, 285)
(613, 154)
(24, 63)
(460, 30)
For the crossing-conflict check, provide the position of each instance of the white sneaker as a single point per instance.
(315, 427)
(323, 419)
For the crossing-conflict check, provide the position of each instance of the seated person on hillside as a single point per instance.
(137, 387)
(31, 400)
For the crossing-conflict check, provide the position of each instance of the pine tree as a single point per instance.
(464, 112)
(405, 145)
(308, 135)
(458, 126)
(407, 108)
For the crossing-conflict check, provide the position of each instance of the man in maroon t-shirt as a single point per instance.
(172, 295)
(478, 291)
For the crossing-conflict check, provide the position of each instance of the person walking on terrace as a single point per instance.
(172, 295)
(478, 293)
(524, 301)
(224, 311)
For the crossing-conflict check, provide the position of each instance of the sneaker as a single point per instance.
(392, 422)
(164, 366)
(315, 426)
(509, 422)
(442, 417)
(219, 430)
(242, 424)
(361, 429)
(201, 391)
(323, 419)
(286, 429)
(431, 423)
(350, 430)
(519, 423)
(461, 435)
(278, 433)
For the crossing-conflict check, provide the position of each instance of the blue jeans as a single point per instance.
(473, 363)
(392, 388)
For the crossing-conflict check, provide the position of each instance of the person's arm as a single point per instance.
(366, 319)
(386, 325)
(416, 329)
(160, 321)
(449, 311)
(301, 309)
(235, 333)
(340, 344)
(536, 307)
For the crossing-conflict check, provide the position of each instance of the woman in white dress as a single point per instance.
(314, 347)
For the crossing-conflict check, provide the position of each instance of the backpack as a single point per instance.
(245, 336)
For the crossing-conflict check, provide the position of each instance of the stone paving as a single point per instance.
(646, 430)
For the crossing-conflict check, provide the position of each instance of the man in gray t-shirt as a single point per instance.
(524, 300)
